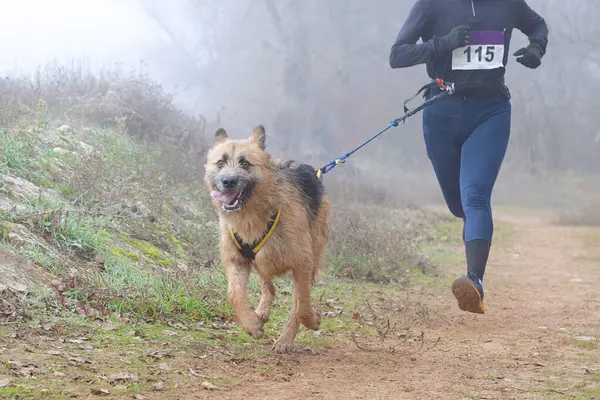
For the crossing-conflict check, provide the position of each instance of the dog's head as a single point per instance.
(235, 168)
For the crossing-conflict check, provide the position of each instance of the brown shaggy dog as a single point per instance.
(255, 195)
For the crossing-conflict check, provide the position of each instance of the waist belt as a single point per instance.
(477, 89)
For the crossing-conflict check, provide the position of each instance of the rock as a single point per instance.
(85, 148)
(100, 392)
(60, 150)
(123, 376)
(182, 266)
(586, 338)
(19, 275)
(65, 129)
(18, 235)
(164, 366)
(19, 188)
(209, 386)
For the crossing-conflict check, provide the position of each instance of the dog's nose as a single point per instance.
(229, 182)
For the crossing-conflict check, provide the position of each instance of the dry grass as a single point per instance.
(111, 99)
(378, 244)
(129, 195)
(584, 216)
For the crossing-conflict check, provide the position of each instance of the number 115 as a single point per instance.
(489, 53)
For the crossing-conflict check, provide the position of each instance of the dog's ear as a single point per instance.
(259, 136)
(220, 136)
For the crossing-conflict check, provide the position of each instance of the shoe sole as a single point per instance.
(467, 296)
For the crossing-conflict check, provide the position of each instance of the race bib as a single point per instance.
(485, 50)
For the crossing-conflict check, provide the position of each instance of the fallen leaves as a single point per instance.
(79, 340)
(333, 314)
(108, 326)
(75, 358)
(196, 374)
(72, 357)
(122, 376)
(28, 348)
(22, 369)
(158, 354)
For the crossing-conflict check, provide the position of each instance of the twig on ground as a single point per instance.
(361, 347)
(564, 391)
(435, 344)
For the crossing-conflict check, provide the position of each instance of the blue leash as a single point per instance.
(447, 89)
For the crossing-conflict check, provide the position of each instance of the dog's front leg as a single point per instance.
(237, 281)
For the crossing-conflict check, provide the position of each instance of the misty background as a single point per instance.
(316, 74)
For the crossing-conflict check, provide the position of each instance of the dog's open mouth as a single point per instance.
(230, 200)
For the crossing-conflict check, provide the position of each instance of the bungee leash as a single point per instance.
(446, 90)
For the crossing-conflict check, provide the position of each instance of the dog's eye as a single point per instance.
(220, 163)
(245, 164)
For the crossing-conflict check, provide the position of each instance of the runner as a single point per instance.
(466, 135)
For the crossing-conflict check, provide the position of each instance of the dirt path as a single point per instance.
(541, 293)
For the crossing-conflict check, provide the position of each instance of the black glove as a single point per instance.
(530, 56)
(457, 37)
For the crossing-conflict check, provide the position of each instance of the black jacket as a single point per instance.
(431, 19)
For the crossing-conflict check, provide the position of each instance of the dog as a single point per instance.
(273, 218)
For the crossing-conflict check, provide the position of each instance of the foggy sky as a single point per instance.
(35, 32)
(351, 90)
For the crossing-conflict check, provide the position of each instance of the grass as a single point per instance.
(588, 215)
(126, 228)
(131, 240)
(560, 390)
(113, 346)
(42, 257)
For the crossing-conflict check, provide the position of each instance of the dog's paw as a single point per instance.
(311, 321)
(263, 315)
(254, 327)
(282, 347)
(256, 332)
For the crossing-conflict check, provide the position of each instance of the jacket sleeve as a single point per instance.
(405, 52)
(533, 25)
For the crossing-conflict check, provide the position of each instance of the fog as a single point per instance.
(316, 72)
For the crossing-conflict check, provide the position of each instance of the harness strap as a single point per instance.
(249, 251)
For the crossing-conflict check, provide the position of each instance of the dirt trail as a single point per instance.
(541, 292)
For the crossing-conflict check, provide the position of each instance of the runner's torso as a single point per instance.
(486, 55)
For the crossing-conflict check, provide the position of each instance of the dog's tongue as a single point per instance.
(225, 197)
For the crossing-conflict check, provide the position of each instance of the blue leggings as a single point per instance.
(466, 140)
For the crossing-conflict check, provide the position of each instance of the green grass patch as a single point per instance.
(148, 244)
(42, 256)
